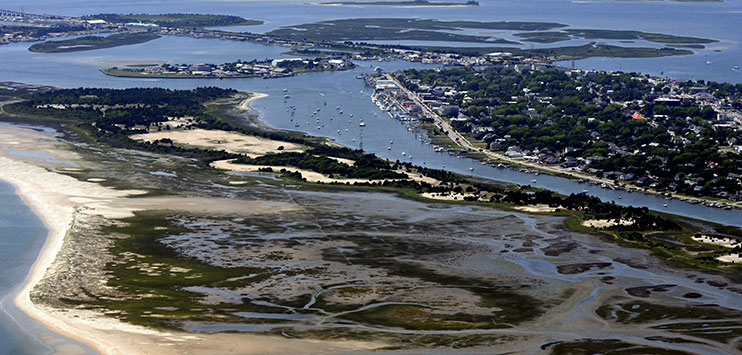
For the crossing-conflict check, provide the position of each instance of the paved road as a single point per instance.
(462, 142)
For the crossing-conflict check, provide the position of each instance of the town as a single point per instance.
(275, 68)
(619, 130)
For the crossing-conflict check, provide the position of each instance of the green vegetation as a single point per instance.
(613, 125)
(401, 29)
(588, 50)
(567, 34)
(111, 116)
(366, 166)
(89, 43)
(145, 266)
(178, 20)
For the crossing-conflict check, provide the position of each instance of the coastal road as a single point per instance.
(464, 143)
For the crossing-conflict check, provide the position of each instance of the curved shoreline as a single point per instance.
(56, 199)
(56, 219)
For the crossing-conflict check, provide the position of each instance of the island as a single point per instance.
(176, 20)
(89, 43)
(347, 35)
(276, 68)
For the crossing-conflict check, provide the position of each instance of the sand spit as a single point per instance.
(312, 176)
(231, 142)
(245, 104)
(447, 196)
(540, 208)
(606, 223)
(56, 198)
(725, 242)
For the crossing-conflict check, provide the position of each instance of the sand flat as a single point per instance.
(231, 142)
(56, 198)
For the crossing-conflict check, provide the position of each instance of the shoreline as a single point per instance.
(245, 104)
(56, 219)
(458, 139)
(57, 199)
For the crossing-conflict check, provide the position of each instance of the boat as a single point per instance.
(471, 169)
(664, 205)
(533, 181)
(284, 90)
(584, 191)
(388, 148)
(362, 124)
(403, 153)
(620, 197)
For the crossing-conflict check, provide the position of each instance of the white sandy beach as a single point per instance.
(56, 198)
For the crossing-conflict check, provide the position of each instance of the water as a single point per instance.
(22, 234)
(308, 92)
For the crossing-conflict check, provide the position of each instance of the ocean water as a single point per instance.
(22, 235)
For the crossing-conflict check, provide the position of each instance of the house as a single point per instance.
(448, 110)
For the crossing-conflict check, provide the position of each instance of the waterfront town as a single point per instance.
(647, 133)
(479, 120)
(276, 68)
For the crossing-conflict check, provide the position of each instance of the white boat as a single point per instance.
(362, 124)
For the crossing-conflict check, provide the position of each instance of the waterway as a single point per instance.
(307, 93)
(22, 235)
